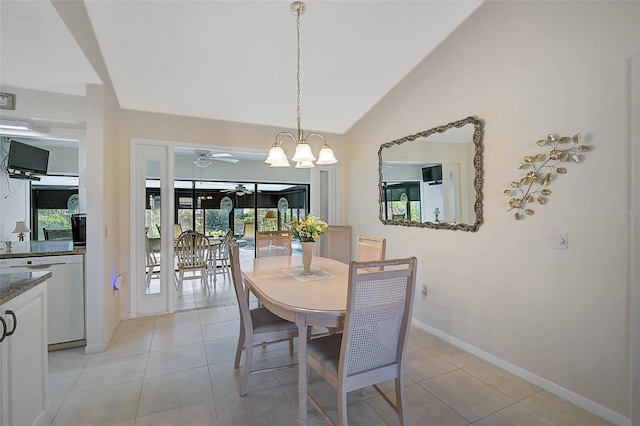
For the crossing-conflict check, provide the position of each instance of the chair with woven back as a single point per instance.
(192, 255)
(370, 248)
(273, 243)
(258, 326)
(336, 243)
(372, 347)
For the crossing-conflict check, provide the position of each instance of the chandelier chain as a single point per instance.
(298, 67)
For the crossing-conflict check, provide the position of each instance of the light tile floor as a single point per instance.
(178, 370)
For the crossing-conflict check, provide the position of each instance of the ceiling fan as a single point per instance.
(238, 190)
(204, 158)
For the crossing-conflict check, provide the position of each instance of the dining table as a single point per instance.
(316, 300)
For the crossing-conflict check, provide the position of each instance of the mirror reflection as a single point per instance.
(433, 179)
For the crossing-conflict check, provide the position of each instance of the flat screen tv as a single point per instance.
(432, 173)
(27, 158)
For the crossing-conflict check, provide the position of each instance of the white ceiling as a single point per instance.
(232, 60)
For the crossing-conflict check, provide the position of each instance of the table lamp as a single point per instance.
(270, 215)
(437, 212)
(20, 229)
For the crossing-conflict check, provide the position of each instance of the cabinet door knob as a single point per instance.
(15, 323)
(4, 329)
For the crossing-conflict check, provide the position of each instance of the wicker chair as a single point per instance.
(192, 252)
(372, 347)
(258, 326)
(370, 249)
(337, 243)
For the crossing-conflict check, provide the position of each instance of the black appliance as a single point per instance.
(79, 229)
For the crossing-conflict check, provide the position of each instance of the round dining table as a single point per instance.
(307, 300)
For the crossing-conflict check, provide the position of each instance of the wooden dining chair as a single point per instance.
(220, 264)
(258, 326)
(336, 243)
(273, 243)
(370, 249)
(152, 262)
(372, 347)
(192, 255)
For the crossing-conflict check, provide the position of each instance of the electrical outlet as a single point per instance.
(424, 289)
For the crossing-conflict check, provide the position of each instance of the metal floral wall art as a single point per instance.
(543, 170)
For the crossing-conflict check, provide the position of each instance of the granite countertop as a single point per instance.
(40, 248)
(13, 285)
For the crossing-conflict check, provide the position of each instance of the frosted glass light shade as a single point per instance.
(283, 163)
(304, 165)
(303, 153)
(326, 156)
(277, 155)
(202, 162)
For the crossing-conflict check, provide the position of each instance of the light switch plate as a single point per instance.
(561, 240)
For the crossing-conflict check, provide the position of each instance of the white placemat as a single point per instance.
(318, 274)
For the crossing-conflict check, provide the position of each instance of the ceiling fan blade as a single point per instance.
(220, 155)
(226, 160)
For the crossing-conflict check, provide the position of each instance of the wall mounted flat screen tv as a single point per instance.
(432, 173)
(27, 158)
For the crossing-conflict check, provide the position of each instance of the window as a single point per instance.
(53, 201)
(402, 201)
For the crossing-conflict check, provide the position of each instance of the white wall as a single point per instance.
(526, 69)
(190, 131)
(49, 108)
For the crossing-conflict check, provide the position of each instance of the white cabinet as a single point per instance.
(23, 360)
(65, 295)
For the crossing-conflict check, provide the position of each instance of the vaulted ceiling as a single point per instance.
(231, 60)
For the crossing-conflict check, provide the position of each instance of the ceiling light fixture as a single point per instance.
(202, 161)
(15, 125)
(303, 156)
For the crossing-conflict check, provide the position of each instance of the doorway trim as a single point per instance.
(166, 298)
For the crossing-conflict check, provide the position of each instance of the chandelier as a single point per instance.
(303, 156)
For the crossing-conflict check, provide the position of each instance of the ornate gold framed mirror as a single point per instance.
(433, 179)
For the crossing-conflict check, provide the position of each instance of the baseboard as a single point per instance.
(94, 349)
(574, 398)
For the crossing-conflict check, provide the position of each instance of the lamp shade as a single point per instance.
(326, 156)
(304, 165)
(277, 156)
(270, 215)
(303, 153)
(21, 227)
(202, 162)
(284, 163)
(436, 211)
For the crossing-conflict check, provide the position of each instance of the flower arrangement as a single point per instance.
(308, 230)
